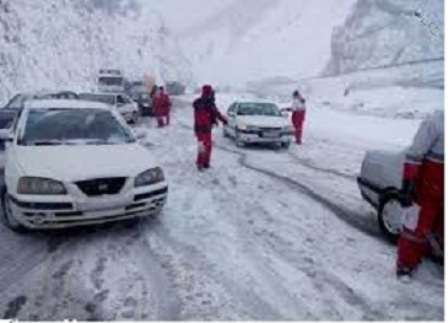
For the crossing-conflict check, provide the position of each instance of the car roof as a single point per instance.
(45, 93)
(66, 104)
(102, 93)
(255, 101)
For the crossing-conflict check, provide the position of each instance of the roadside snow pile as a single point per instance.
(63, 43)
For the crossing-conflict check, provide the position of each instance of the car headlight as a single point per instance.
(241, 126)
(149, 177)
(40, 186)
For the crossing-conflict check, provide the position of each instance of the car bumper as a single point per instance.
(52, 214)
(259, 138)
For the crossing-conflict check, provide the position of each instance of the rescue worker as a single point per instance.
(298, 115)
(166, 105)
(422, 193)
(158, 104)
(206, 115)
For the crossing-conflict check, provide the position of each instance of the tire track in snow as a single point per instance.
(346, 215)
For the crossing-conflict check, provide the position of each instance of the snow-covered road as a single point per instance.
(263, 235)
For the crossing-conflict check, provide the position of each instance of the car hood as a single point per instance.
(73, 163)
(263, 121)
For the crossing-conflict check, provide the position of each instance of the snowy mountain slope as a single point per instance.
(253, 39)
(387, 32)
(62, 44)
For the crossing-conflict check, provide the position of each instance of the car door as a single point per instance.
(231, 115)
(121, 106)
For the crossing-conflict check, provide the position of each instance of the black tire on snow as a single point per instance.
(384, 200)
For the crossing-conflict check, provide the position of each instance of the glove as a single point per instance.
(407, 193)
(225, 122)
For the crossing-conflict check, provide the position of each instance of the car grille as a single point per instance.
(102, 186)
(270, 129)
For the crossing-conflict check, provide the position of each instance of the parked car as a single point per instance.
(144, 102)
(72, 163)
(111, 80)
(175, 88)
(18, 101)
(119, 101)
(257, 122)
(379, 183)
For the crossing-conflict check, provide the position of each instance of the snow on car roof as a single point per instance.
(65, 104)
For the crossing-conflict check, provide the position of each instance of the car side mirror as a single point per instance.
(6, 135)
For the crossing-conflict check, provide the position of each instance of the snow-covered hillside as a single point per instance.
(63, 43)
(253, 39)
(388, 32)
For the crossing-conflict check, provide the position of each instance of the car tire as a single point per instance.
(7, 217)
(390, 227)
(239, 143)
(225, 134)
(286, 145)
(134, 118)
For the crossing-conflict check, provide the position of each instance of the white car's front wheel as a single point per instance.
(8, 218)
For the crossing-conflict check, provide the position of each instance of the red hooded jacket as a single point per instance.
(205, 112)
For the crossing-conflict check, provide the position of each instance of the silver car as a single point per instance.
(379, 183)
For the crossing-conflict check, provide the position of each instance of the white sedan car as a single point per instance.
(257, 123)
(71, 163)
(119, 101)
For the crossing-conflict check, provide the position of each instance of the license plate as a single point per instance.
(104, 213)
(271, 134)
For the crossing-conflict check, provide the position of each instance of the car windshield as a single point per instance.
(47, 127)
(110, 80)
(258, 109)
(102, 98)
(7, 118)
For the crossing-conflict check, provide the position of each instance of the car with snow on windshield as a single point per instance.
(257, 123)
(380, 182)
(72, 163)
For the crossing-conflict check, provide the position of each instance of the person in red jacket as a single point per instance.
(422, 194)
(298, 115)
(158, 106)
(206, 114)
(166, 105)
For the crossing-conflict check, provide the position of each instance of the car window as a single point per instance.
(54, 126)
(232, 108)
(16, 102)
(102, 98)
(7, 118)
(121, 100)
(261, 109)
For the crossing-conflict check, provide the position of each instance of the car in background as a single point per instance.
(18, 101)
(119, 101)
(257, 123)
(380, 182)
(111, 81)
(175, 88)
(144, 101)
(72, 163)
(13, 108)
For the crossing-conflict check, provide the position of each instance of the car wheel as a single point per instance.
(224, 132)
(390, 218)
(239, 142)
(286, 145)
(134, 118)
(8, 218)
